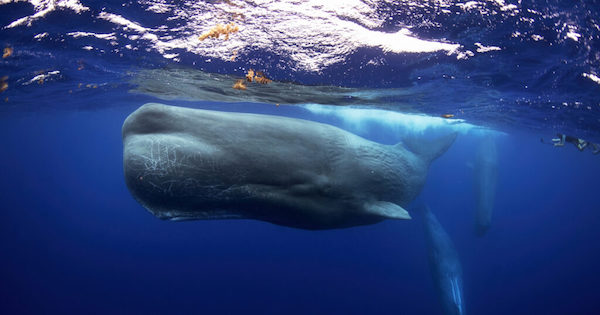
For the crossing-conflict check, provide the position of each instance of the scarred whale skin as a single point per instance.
(191, 164)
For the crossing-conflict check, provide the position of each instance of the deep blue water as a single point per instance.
(73, 240)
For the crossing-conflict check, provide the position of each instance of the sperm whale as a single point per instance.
(192, 164)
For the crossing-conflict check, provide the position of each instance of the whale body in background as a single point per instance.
(187, 164)
(444, 264)
(485, 174)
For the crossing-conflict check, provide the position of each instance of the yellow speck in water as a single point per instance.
(239, 85)
(250, 75)
(257, 77)
(3, 84)
(261, 78)
(8, 51)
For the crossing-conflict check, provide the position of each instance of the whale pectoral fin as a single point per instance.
(387, 210)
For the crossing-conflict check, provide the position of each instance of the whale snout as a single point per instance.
(149, 118)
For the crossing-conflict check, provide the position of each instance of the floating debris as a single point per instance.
(8, 51)
(250, 75)
(3, 84)
(257, 76)
(239, 85)
(219, 30)
(261, 78)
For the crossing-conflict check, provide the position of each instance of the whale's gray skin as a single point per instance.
(485, 173)
(186, 164)
(444, 264)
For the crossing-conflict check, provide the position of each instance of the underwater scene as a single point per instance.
(299, 157)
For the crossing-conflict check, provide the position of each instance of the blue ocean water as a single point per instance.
(73, 240)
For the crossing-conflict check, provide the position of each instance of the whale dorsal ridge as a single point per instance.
(387, 210)
(429, 149)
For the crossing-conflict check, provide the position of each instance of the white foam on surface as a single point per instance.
(40, 35)
(537, 38)
(312, 34)
(170, 56)
(484, 7)
(400, 42)
(483, 49)
(572, 33)
(127, 24)
(41, 77)
(108, 36)
(592, 77)
(43, 7)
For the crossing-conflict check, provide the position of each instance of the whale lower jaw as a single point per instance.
(177, 216)
(182, 215)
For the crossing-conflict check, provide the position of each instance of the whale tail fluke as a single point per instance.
(430, 149)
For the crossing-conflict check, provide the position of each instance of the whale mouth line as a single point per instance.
(204, 215)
